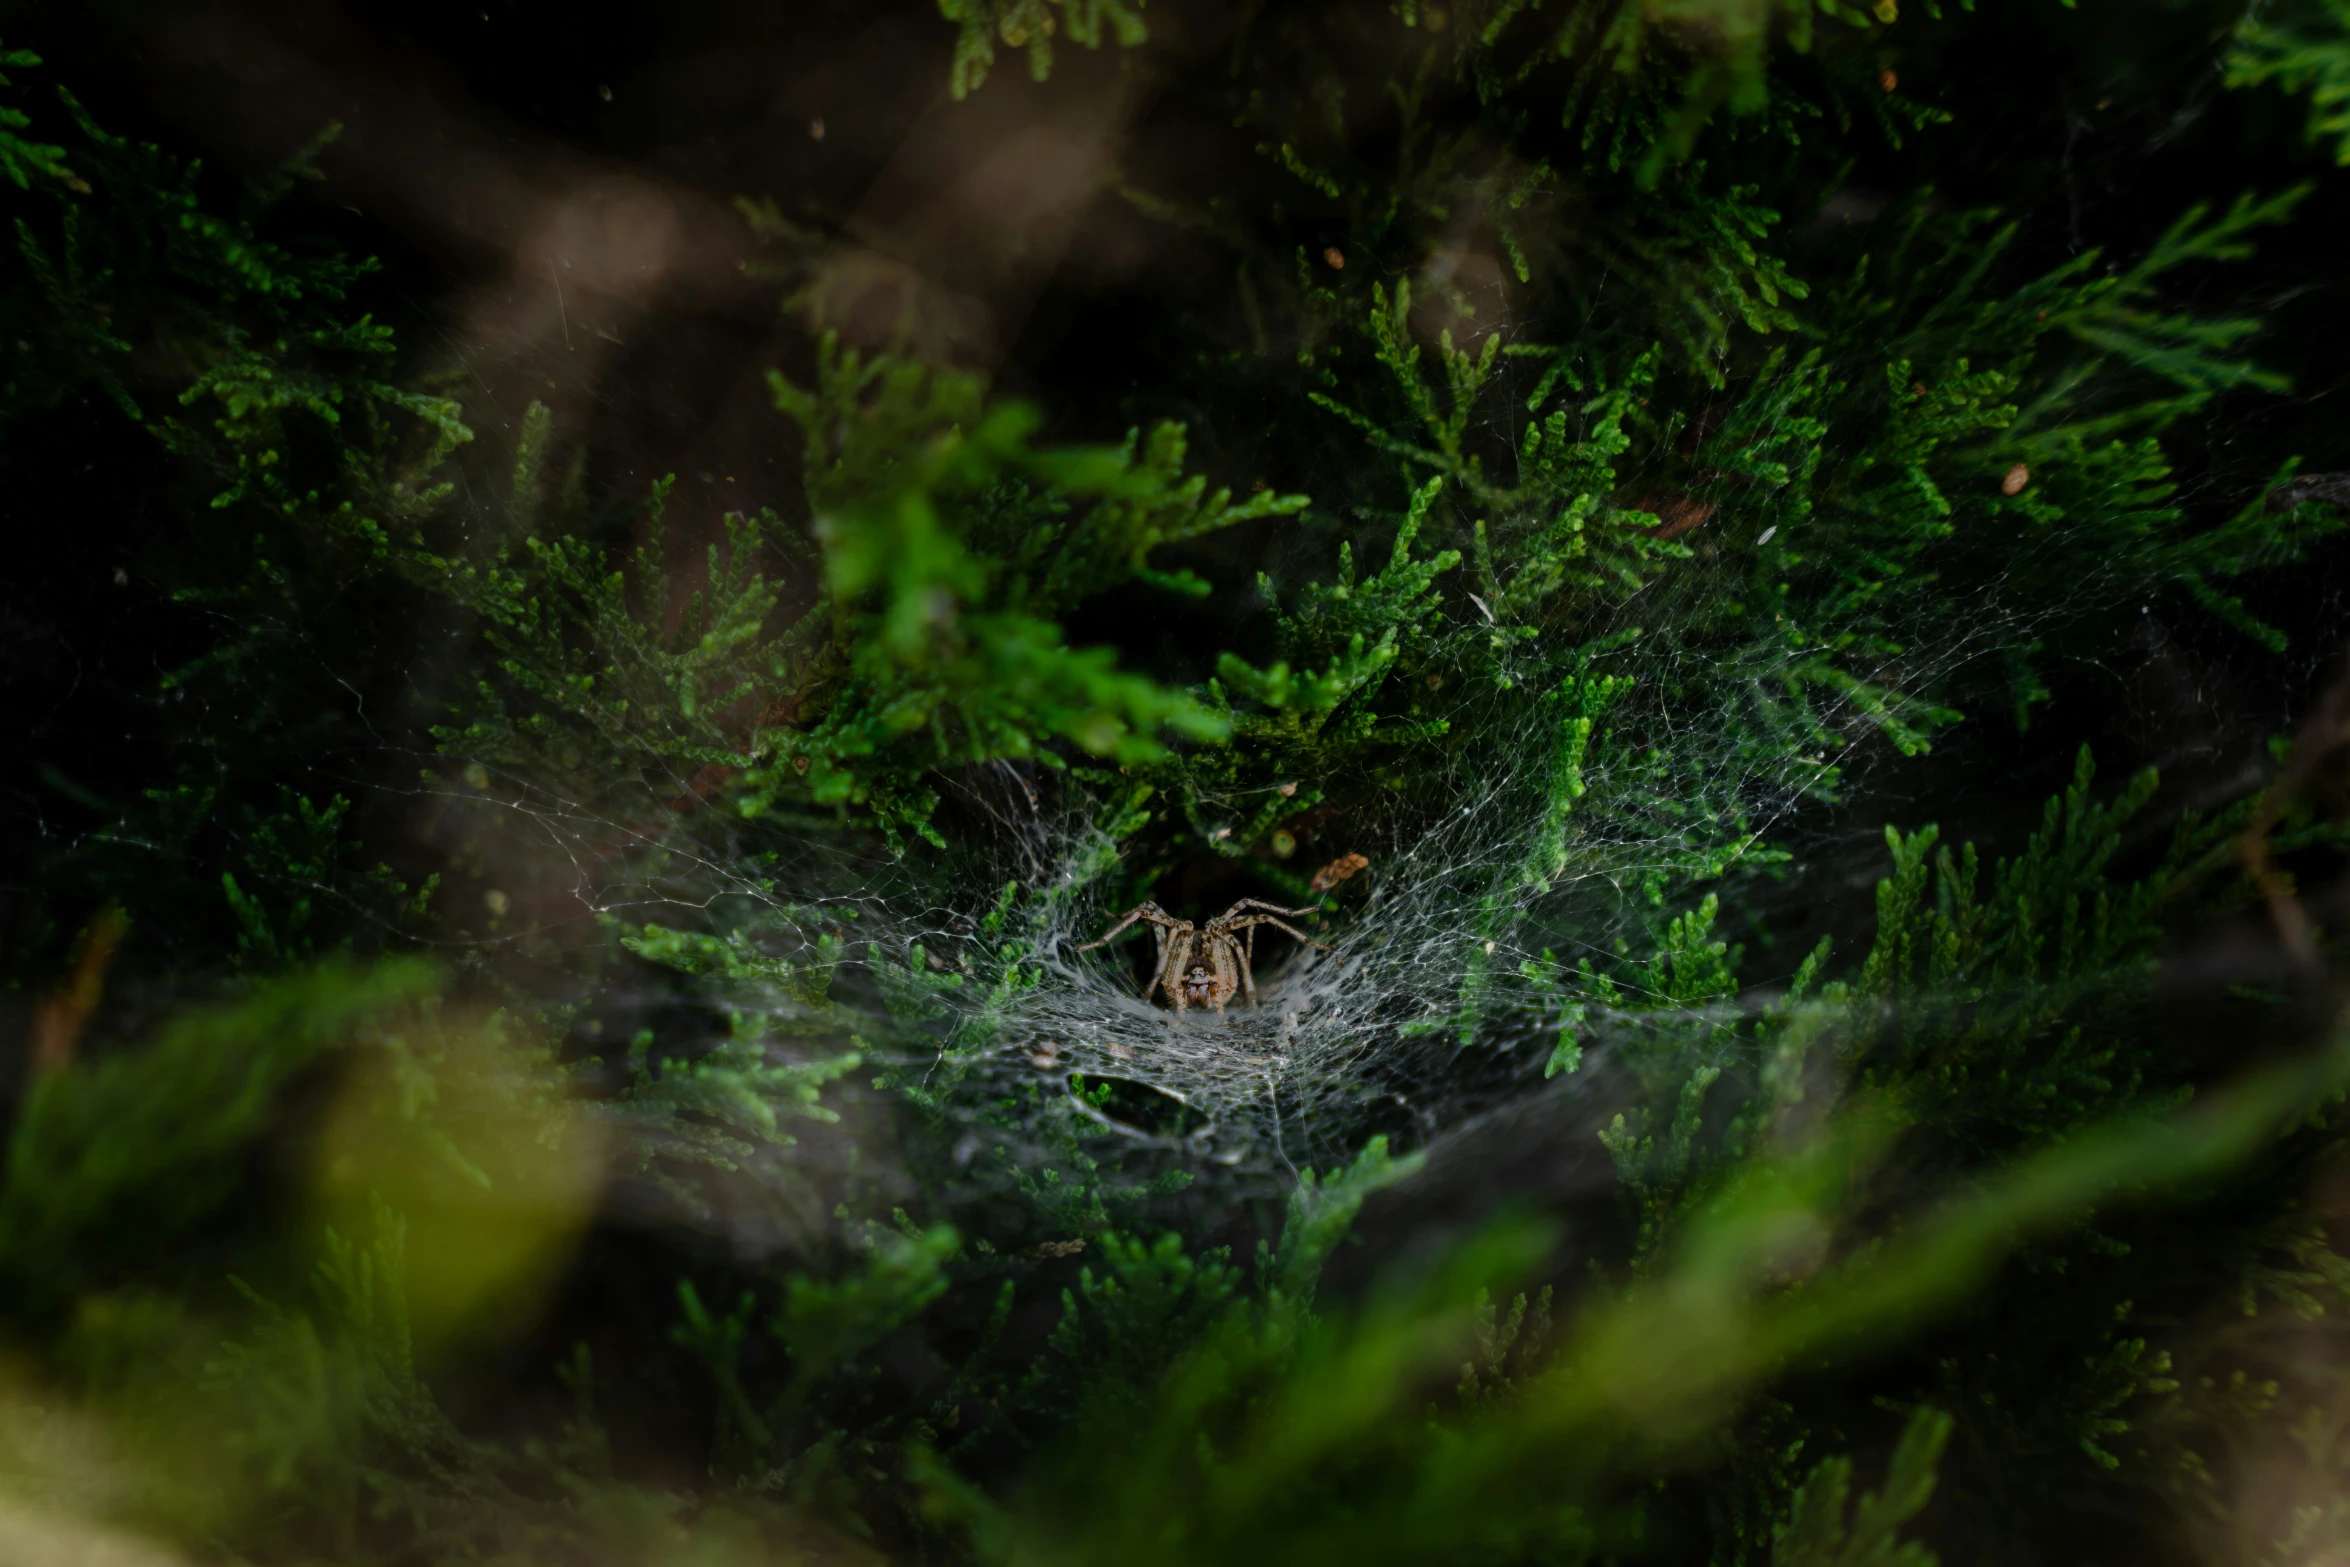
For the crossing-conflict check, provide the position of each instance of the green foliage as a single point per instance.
(1190, 1410)
(951, 546)
(948, 575)
(188, 327)
(820, 1327)
(259, 333)
(1997, 1018)
(1327, 1465)
(724, 1106)
(1651, 516)
(2302, 49)
(113, 1155)
(320, 1395)
(1818, 1530)
(2021, 995)
(823, 1325)
(22, 159)
(300, 848)
(1120, 1330)
(1030, 25)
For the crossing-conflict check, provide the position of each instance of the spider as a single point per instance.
(1206, 963)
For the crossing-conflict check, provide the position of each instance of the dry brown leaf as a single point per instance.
(1337, 871)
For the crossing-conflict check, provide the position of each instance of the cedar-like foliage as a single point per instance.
(565, 1042)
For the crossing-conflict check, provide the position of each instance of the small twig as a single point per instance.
(61, 1017)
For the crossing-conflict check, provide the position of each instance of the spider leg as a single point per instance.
(1269, 908)
(1174, 951)
(1254, 920)
(1221, 955)
(1162, 969)
(1248, 980)
(1146, 911)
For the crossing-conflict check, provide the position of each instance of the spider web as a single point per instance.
(1377, 1036)
(1451, 986)
(999, 1020)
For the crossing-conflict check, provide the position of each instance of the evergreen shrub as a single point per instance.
(562, 1020)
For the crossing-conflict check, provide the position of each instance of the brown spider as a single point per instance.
(1206, 963)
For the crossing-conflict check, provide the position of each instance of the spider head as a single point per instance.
(1198, 983)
